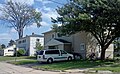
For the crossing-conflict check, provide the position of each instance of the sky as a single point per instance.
(48, 10)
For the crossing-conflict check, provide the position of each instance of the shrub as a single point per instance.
(20, 52)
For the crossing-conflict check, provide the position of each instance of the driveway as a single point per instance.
(6, 68)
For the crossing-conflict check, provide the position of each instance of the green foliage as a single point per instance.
(2, 58)
(23, 62)
(72, 65)
(101, 18)
(2, 46)
(38, 46)
(20, 52)
(11, 42)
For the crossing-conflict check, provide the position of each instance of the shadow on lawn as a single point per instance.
(64, 65)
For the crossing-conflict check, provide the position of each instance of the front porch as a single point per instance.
(58, 44)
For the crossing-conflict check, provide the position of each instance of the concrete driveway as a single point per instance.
(6, 68)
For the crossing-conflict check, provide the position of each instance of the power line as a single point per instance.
(56, 2)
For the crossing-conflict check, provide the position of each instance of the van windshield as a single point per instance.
(40, 52)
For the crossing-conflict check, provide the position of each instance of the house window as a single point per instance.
(99, 48)
(10, 50)
(23, 41)
(53, 47)
(19, 42)
(82, 46)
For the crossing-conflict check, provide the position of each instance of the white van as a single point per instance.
(53, 55)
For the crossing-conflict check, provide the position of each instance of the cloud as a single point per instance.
(34, 25)
(5, 36)
(29, 2)
(59, 24)
(43, 23)
(48, 12)
(13, 30)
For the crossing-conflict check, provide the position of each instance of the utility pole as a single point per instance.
(15, 54)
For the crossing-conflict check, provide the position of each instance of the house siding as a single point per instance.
(9, 51)
(32, 43)
(79, 41)
(29, 44)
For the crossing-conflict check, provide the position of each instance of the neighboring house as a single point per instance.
(117, 47)
(9, 51)
(82, 43)
(28, 43)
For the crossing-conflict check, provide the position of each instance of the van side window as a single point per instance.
(63, 52)
(40, 52)
(52, 52)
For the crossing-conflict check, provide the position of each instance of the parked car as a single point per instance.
(76, 56)
(51, 55)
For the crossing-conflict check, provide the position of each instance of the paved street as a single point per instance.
(6, 68)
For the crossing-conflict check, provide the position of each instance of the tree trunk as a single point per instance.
(102, 54)
(20, 33)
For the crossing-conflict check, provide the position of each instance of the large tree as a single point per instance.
(101, 18)
(19, 15)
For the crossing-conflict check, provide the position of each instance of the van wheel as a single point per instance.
(69, 58)
(50, 60)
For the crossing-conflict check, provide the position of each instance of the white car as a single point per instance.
(51, 55)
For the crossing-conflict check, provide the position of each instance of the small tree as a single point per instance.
(21, 52)
(11, 42)
(38, 46)
(3, 46)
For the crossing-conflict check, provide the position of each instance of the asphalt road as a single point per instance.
(6, 68)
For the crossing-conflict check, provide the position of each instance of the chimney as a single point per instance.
(33, 33)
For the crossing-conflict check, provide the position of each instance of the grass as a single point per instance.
(2, 58)
(23, 62)
(114, 67)
(71, 65)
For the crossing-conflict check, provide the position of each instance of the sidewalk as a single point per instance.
(87, 70)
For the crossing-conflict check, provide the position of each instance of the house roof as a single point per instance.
(63, 41)
(33, 35)
(48, 31)
(53, 42)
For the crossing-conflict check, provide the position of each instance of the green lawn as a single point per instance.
(114, 67)
(23, 62)
(2, 58)
(72, 65)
